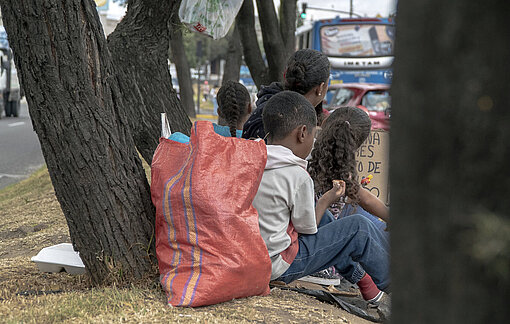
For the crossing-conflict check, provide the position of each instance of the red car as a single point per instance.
(373, 98)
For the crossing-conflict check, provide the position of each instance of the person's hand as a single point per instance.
(328, 198)
(335, 193)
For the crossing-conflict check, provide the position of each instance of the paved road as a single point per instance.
(20, 151)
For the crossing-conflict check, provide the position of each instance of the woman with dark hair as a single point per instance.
(307, 73)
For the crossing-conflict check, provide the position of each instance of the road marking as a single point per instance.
(16, 124)
(18, 176)
(206, 116)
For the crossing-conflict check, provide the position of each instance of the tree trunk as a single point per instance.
(272, 39)
(139, 47)
(233, 62)
(180, 60)
(451, 228)
(234, 57)
(288, 18)
(77, 112)
(245, 21)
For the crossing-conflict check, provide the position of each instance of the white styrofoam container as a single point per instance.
(57, 257)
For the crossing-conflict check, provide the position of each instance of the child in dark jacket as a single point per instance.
(307, 73)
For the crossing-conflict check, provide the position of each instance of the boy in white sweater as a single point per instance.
(299, 239)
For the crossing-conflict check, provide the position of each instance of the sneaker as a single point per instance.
(383, 306)
(326, 277)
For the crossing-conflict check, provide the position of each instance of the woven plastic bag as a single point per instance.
(208, 241)
(209, 17)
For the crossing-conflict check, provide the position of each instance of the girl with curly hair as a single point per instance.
(334, 158)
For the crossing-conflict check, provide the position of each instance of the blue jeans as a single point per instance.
(350, 243)
(349, 209)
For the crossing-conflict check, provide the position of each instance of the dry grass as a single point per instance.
(31, 218)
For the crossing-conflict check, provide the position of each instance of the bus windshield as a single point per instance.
(361, 40)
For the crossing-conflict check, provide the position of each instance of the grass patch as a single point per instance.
(31, 219)
(38, 182)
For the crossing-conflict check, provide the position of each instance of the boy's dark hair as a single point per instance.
(334, 153)
(284, 112)
(233, 99)
(306, 69)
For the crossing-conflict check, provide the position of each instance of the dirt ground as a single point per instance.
(31, 219)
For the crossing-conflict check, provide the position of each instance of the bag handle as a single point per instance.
(165, 126)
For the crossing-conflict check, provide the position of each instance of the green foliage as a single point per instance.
(211, 49)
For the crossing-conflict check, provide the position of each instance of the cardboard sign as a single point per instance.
(373, 159)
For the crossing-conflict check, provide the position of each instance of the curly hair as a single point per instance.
(306, 69)
(233, 99)
(334, 153)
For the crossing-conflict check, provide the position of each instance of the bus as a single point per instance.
(360, 50)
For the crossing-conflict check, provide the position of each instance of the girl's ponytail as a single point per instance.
(349, 175)
(334, 153)
(233, 99)
(233, 109)
(306, 69)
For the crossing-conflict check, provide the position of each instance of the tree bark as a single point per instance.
(234, 57)
(450, 153)
(233, 62)
(288, 26)
(139, 47)
(180, 60)
(77, 112)
(245, 21)
(272, 39)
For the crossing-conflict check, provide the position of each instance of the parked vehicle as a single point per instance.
(373, 98)
(10, 91)
(360, 50)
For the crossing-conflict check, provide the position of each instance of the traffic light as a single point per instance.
(303, 10)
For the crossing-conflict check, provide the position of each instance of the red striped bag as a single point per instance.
(208, 242)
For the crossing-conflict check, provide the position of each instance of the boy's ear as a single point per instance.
(301, 133)
(250, 108)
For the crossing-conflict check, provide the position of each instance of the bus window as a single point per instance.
(362, 40)
(376, 100)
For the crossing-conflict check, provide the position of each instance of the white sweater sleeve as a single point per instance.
(302, 212)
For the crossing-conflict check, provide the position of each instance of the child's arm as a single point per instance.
(329, 198)
(373, 205)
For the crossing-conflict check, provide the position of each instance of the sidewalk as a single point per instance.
(206, 113)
